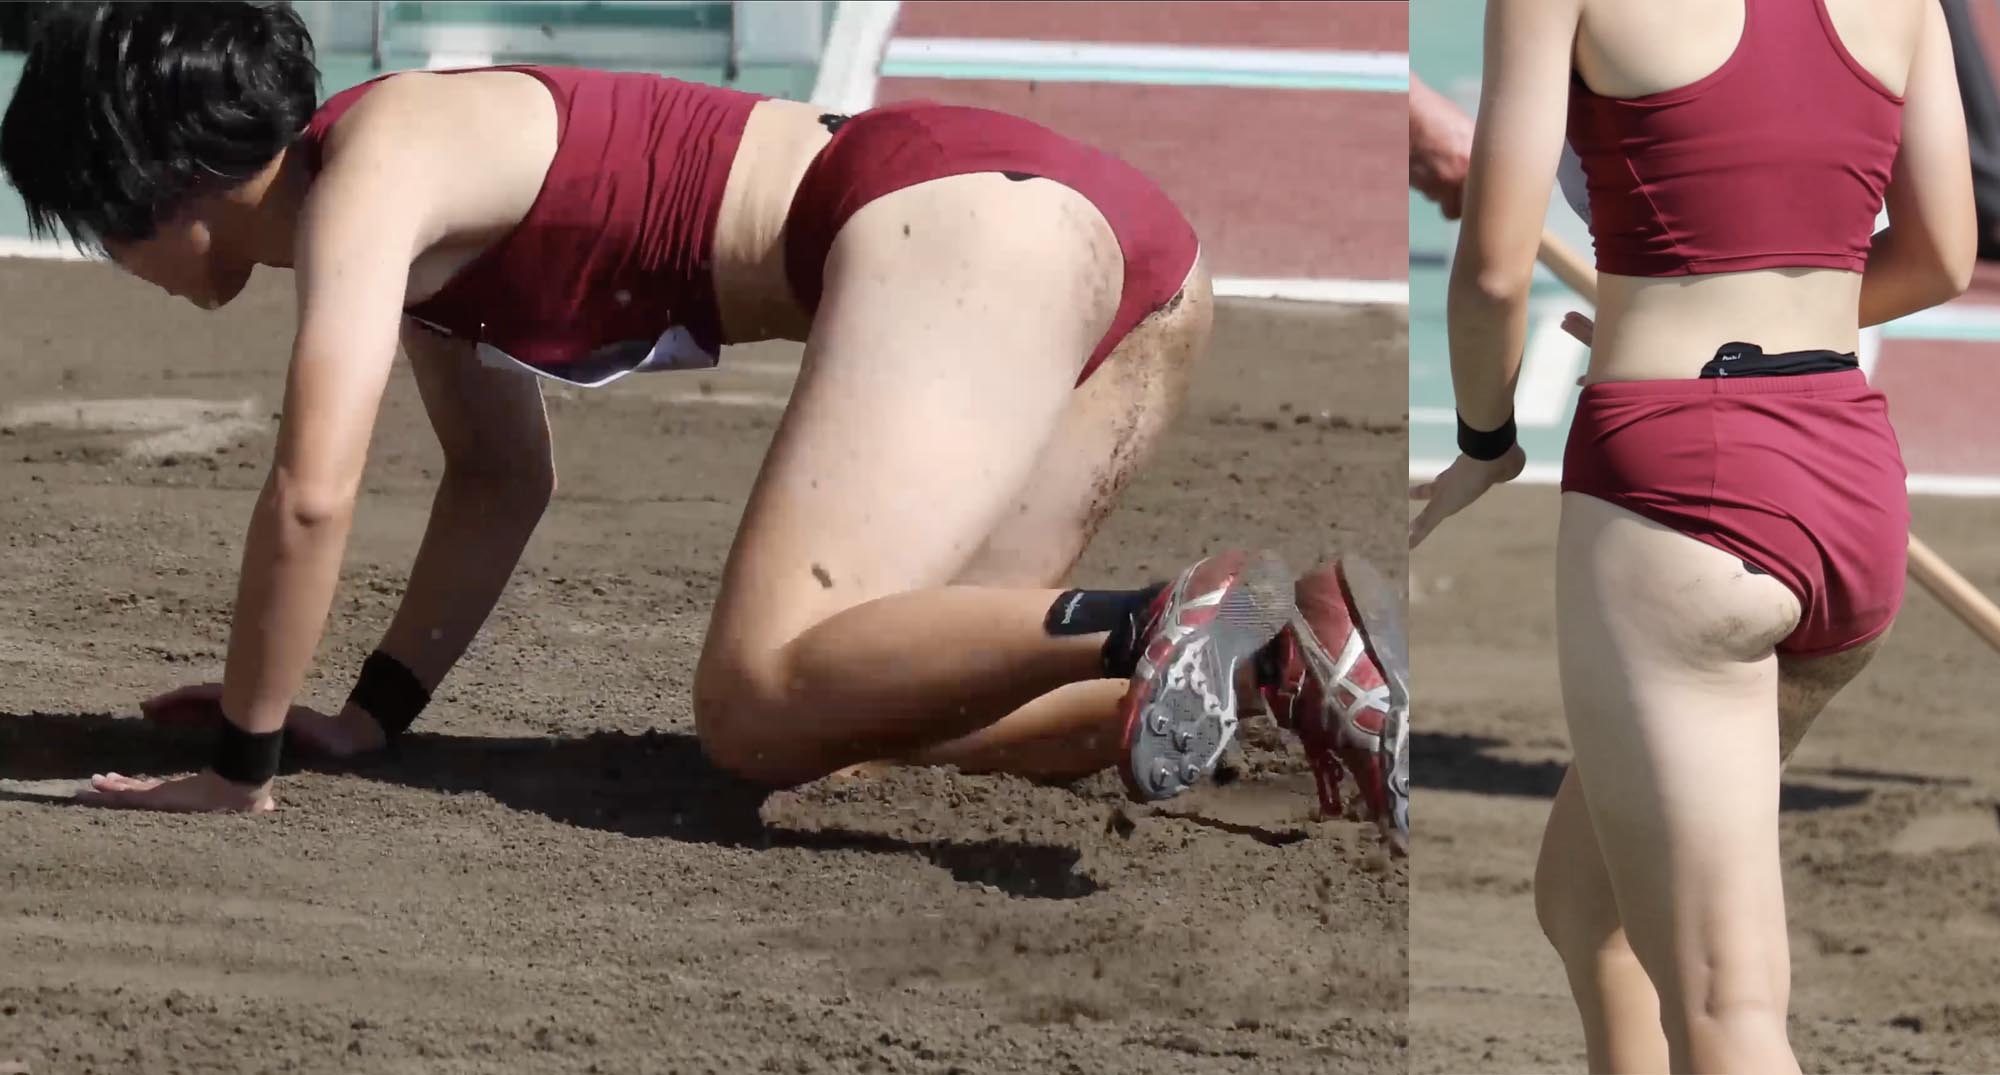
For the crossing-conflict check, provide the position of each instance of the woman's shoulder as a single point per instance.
(424, 107)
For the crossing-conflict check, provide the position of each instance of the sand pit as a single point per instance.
(549, 879)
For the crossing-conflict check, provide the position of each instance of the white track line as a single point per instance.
(1166, 60)
(1954, 485)
(1311, 289)
(763, 367)
(1534, 474)
(855, 46)
(1957, 485)
(732, 399)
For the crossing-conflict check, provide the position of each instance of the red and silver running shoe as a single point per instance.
(1338, 677)
(1180, 710)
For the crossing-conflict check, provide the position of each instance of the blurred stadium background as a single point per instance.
(1191, 98)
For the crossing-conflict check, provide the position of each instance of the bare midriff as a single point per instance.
(779, 143)
(1667, 328)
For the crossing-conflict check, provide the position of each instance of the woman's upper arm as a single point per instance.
(1517, 142)
(1930, 187)
(362, 224)
(489, 421)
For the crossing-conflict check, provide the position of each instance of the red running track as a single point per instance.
(1278, 183)
(1942, 398)
(1943, 393)
(1365, 25)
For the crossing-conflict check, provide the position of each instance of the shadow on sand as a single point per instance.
(656, 784)
(1473, 763)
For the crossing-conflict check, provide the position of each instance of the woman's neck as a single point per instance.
(259, 218)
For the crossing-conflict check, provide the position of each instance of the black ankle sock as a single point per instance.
(1089, 612)
(1268, 663)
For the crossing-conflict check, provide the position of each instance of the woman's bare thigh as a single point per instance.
(1670, 689)
(1112, 427)
(956, 316)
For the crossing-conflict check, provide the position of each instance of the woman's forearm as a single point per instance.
(1904, 277)
(478, 528)
(291, 564)
(1487, 320)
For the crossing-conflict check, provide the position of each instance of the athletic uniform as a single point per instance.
(1777, 159)
(608, 274)
(609, 271)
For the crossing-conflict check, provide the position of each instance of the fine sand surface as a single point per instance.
(549, 879)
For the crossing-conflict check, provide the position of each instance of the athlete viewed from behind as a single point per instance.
(999, 326)
(1734, 514)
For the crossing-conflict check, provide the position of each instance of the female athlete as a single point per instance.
(1734, 515)
(999, 325)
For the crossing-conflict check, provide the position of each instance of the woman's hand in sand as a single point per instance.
(197, 793)
(1463, 482)
(345, 734)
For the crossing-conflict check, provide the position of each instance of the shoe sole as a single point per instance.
(1379, 608)
(1255, 607)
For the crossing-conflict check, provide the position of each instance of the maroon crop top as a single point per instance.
(1777, 159)
(608, 273)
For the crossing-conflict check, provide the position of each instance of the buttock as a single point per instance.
(883, 150)
(1800, 477)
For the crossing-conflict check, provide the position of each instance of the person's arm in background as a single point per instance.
(1440, 148)
(1926, 254)
(1516, 147)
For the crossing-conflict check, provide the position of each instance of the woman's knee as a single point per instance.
(737, 717)
(1721, 1016)
(1728, 1004)
(1576, 908)
(1574, 902)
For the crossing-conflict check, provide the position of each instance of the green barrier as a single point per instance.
(627, 15)
(342, 69)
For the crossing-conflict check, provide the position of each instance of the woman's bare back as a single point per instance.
(1631, 48)
(1669, 327)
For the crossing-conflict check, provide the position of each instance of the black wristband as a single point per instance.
(1486, 446)
(389, 692)
(247, 758)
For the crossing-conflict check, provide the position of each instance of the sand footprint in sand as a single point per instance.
(167, 427)
(1947, 831)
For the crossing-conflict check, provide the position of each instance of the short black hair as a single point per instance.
(124, 109)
